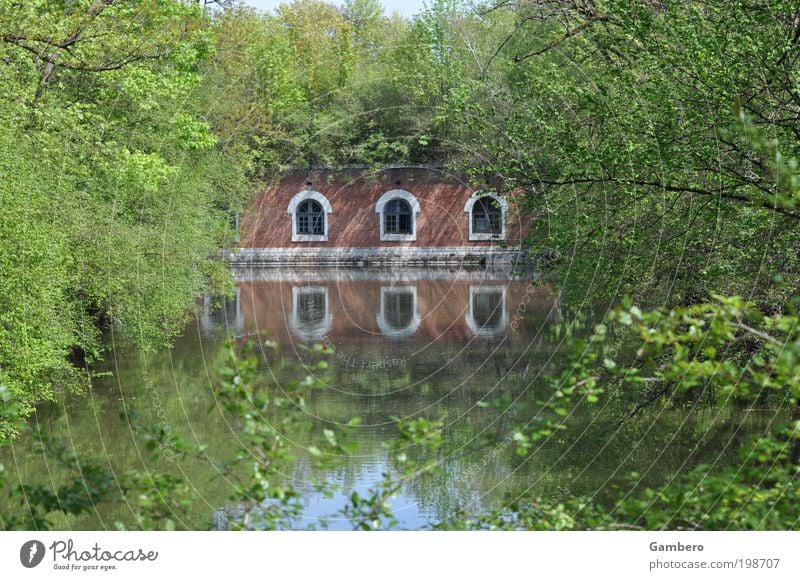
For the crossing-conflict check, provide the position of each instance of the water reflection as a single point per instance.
(398, 316)
(311, 317)
(429, 343)
(408, 306)
(487, 316)
(222, 313)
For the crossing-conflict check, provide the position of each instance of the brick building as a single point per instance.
(408, 215)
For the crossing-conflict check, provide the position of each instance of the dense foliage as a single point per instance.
(115, 190)
(724, 352)
(318, 85)
(654, 141)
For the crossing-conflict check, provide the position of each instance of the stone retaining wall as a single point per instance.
(382, 257)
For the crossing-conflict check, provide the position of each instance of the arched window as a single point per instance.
(398, 211)
(309, 212)
(487, 216)
(310, 219)
(397, 217)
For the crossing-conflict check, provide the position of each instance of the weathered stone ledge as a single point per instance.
(378, 257)
(306, 275)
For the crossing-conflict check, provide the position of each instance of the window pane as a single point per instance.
(487, 217)
(480, 225)
(405, 224)
(310, 218)
(397, 217)
(317, 228)
(495, 223)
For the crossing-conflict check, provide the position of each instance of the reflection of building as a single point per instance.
(391, 216)
(222, 316)
(487, 315)
(311, 316)
(398, 316)
(312, 306)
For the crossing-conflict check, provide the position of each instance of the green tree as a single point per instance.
(116, 190)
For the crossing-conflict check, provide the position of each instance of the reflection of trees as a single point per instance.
(493, 475)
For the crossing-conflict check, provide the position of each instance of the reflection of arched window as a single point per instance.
(399, 309)
(487, 215)
(311, 308)
(309, 210)
(398, 211)
(311, 317)
(397, 217)
(487, 316)
(398, 316)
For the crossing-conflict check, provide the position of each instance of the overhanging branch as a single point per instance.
(724, 192)
(569, 34)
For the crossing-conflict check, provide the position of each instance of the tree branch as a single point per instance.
(721, 192)
(569, 34)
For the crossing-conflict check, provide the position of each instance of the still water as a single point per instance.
(427, 343)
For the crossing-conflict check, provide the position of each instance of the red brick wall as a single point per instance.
(354, 222)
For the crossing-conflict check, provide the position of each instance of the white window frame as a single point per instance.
(477, 329)
(481, 237)
(323, 327)
(387, 329)
(326, 209)
(412, 201)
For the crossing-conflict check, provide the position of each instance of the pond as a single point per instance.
(403, 343)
